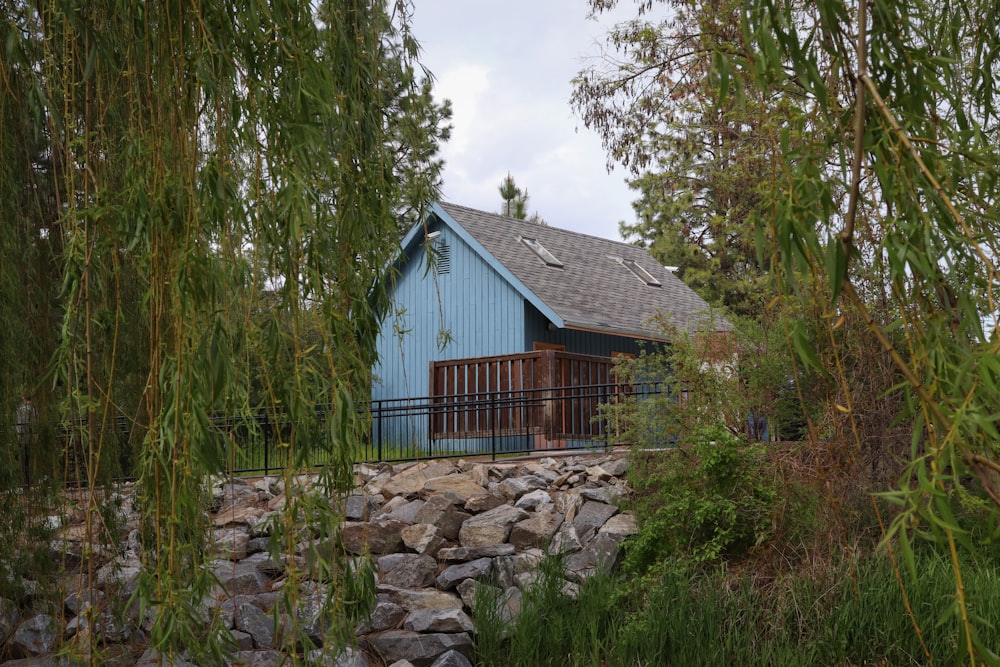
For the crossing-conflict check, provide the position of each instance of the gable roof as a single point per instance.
(593, 290)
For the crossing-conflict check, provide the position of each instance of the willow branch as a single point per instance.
(847, 235)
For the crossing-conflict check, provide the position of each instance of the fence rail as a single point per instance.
(492, 423)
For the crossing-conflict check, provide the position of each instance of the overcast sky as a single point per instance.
(506, 67)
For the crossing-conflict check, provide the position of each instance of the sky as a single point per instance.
(506, 67)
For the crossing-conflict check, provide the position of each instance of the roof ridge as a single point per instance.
(561, 230)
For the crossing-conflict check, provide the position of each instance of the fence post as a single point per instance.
(494, 411)
(267, 446)
(378, 439)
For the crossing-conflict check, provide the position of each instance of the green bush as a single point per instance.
(709, 497)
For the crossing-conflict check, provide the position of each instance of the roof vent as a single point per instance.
(639, 272)
(540, 250)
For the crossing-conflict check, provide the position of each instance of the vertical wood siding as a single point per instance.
(481, 312)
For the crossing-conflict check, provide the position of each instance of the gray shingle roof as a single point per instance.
(593, 290)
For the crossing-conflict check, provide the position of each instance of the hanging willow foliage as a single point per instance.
(198, 199)
(908, 90)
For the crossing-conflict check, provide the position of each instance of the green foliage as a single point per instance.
(708, 498)
(202, 199)
(554, 627)
(515, 201)
(844, 613)
(742, 378)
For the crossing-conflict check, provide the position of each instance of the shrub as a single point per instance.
(707, 498)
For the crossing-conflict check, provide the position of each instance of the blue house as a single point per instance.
(486, 306)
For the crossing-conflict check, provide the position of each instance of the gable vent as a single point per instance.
(639, 272)
(442, 257)
(540, 250)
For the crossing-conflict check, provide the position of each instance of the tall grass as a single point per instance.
(832, 617)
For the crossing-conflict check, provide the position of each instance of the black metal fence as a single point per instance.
(476, 424)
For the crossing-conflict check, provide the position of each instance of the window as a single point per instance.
(539, 249)
(639, 272)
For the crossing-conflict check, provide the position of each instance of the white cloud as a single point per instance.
(507, 69)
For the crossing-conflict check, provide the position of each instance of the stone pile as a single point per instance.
(437, 532)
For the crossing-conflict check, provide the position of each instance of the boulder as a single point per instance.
(423, 538)
(442, 512)
(472, 553)
(459, 486)
(536, 530)
(453, 574)
(438, 620)
(451, 659)
(535, 501)
(591, 516)
(490, 527)
(424, 598)
(36, 635)
(411, 481)
(241, 578)
(407, 570)
(421, 649)
(379, 536)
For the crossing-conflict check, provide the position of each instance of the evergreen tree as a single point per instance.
(515, 201)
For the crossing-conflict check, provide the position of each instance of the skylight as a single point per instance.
(639, 272)
(540, 250)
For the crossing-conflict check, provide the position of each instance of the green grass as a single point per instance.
(718, 619)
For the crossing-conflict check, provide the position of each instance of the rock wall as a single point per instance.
(436, 530)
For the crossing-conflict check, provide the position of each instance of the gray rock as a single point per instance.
(451, 659)
(441, 512)
(534, 501)
(77, 601)
(260, 658)
(611, 495)
(360, 507)
(38, 634)
(407, 570)
(472, 553)
(425, 598)
(453, 574)
(10, 616)
(490, 527)
(346, 658)
(458, 486)
(485, 503)
(252, 620)
(380, 536)
(515, 487)
(438, 620)
(591, 517)
(412, 480)
(385, 615)
(619, 527)
(242, 640)
(601, 554)
(616, 466)
(235, 492)
(423, 538)
(565, 540)
(421, 649)
(241, 578)
(536, 530)
(231, 543)
(152, 658)
(402, 510)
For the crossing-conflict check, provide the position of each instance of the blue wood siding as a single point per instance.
(579, 342)
(481, 312)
